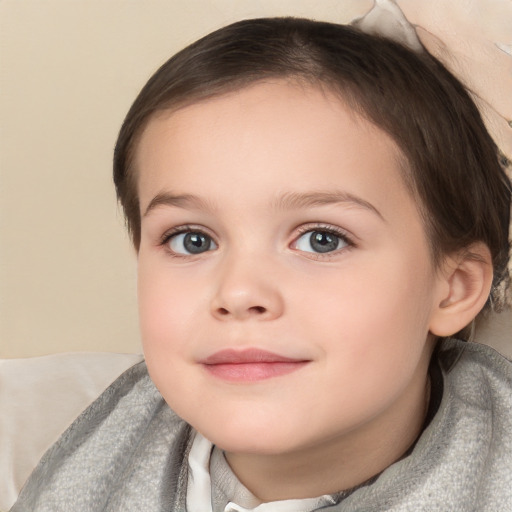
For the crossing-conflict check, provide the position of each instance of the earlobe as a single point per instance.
(464, 288)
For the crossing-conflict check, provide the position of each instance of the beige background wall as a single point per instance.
(69, 70)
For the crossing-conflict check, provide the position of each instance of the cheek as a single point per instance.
(164, 313)
(164, 308)
(367, 314)
(372, 341)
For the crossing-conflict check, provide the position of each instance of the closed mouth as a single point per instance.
(250, 365)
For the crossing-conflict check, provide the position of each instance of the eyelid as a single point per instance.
(183, 229)
(343, 234)
(330, 228)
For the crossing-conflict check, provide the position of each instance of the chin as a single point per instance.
(255, 438)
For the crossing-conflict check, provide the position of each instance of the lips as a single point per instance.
(250, 365)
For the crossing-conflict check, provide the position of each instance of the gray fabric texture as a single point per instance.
(128, 451)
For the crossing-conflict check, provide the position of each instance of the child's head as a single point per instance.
(311, 206)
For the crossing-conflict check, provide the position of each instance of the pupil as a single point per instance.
(323, 242)
(196, 243)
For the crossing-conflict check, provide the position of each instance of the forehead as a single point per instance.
(273, 137)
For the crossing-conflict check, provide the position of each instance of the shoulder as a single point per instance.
(39, 398)
(467, 443)
(478, 395)
(125, 445)
(476, 365)
(474, 424)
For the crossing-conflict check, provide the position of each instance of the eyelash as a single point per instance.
(324, 228)
(332, 230)
(179, 230)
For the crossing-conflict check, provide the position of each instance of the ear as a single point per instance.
(465, 284)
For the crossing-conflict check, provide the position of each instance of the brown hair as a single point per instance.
(451, 163)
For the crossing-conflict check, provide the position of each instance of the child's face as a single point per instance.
(294, 235)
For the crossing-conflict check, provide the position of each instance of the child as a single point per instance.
(316, 212)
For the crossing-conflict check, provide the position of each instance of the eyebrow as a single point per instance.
(287, 201)
(181, 201)
(295, 200)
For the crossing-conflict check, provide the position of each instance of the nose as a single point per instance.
(247, 289)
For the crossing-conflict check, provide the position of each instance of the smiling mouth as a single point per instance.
(250, 365)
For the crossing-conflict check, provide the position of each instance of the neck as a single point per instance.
(339, 463)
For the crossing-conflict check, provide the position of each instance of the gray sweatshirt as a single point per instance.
(128, 451)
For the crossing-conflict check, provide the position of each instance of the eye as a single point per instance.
(190, 242)
(320, 241)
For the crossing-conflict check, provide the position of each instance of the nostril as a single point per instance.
(258, 309)
(253, 310)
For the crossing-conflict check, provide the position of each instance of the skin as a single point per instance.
(359, 316)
